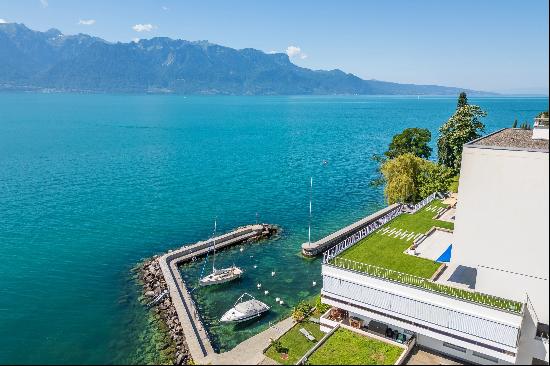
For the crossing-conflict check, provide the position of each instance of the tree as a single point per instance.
(515, 125)
(411, 140)
(462, 100)
(301, 311)
(409, 178)
(401, 176)
(463, 127)
(435, 178)
(453, 187)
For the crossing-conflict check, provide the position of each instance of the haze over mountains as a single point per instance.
(33, 60)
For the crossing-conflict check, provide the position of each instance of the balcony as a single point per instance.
(445, 316)
(428, 285)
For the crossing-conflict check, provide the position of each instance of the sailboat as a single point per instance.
(219, 276)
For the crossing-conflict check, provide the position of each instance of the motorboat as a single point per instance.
(244, 310)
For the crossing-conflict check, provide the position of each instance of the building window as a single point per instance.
(456, 348)
(485, 357)
(542, 331)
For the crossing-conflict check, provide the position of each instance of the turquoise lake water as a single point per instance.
(91, 184)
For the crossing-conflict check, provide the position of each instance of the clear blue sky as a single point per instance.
(487, 45)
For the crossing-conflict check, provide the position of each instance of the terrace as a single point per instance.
(386, 254)
(347, 347)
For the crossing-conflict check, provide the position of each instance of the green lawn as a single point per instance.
(387, 252)
(345, 347)
(296, 343)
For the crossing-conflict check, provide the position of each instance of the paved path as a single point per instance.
(251, 351)
(196, 336)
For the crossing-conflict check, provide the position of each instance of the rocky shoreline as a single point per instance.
(157, 297)
(154, 285)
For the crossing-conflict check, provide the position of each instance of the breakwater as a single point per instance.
(160, 275)
(315, 248)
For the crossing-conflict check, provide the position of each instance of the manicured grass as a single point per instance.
(387, 252)
(296, 343)
(345, 347)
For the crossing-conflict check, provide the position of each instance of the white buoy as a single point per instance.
(281, 302)
(259, 285)
(241, 249)
(255, 266)
(266, 292)
(277, 299)
(314, 283)
(273, 274)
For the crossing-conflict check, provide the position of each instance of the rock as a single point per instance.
(180, 359)
(150, 294)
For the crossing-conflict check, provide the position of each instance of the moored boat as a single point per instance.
(219, 276)
(244, 310)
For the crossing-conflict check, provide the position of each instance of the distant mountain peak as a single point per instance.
(33, 60)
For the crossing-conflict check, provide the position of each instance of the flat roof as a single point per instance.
(511, 139)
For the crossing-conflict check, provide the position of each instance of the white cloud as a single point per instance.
(44, 3)
(136, 40)
(295, 52)
(272, 52)
(164, 7)
(2, 21)
(144, 27)
(86, 21)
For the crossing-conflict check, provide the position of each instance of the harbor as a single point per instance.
(160, 276)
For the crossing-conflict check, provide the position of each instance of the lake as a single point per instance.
(92, 184)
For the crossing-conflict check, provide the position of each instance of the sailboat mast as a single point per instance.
(309, 226)
(214, 255)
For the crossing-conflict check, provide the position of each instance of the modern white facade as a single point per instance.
(500, 248)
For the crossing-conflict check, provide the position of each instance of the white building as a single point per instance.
(490, 304)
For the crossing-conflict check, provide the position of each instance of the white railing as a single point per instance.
(428, 285)
(424, 202)
(361, 234)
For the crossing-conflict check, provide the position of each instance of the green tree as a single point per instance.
(434, 178)
(401, 176)
(463, 127)
(411, 140)
(462, 100)
(515, 125)
(301, 311)
(453, 187)
(409, 178)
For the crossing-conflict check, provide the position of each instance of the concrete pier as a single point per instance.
(318, 247)
(196, 336)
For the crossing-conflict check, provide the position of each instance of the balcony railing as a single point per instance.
(361, 234)
(424, 202)
(425, 284)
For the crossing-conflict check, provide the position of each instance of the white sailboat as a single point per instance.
(219, 276)
(244, 310)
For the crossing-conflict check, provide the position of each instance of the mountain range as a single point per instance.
(34, 60)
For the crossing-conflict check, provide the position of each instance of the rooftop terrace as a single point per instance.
(382, 254)
(386, 246)
(512, 138)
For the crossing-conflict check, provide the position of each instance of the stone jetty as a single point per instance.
(316, 248)
(160, 273)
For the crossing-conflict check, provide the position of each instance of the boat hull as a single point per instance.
(221, 276)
